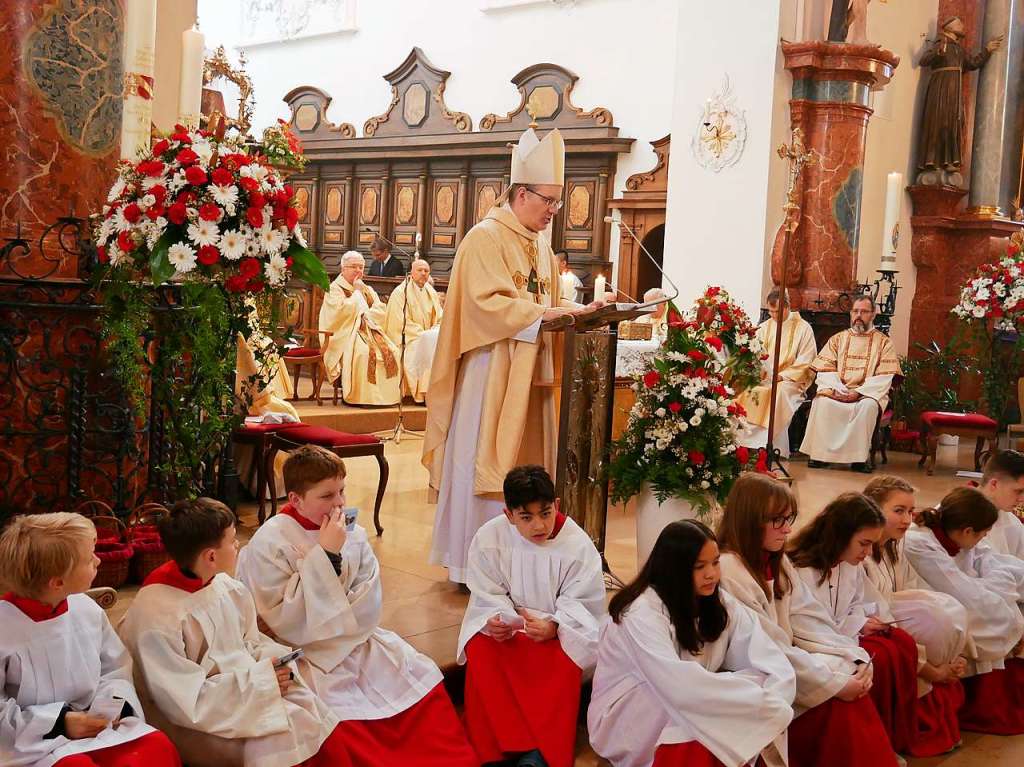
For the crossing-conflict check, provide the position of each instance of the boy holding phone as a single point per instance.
(317, 586)
(209, 672)
(530, 631)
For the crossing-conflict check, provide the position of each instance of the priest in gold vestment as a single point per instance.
(795, 357)
(413, 308)
(485, 412)
(854, 373)
(359, 350)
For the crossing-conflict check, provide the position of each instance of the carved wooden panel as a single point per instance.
(334, 204)
(547, 89)
(369, 203)
(486, 193)
(405, 203)
(579, 205)
(309, 115)
(443, 230)
(303, 196)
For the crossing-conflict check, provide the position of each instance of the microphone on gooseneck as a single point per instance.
(673, 297)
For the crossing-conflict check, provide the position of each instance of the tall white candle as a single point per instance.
(890, 227)
(139, 57)
(191, 94)
(599, 287)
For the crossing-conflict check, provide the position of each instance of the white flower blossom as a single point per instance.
(276, 269)
(225, 195)
(272, 240)
(182, 257)
(204, 232)
(116, 189)
(232, 244)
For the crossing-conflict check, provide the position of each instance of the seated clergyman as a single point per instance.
(854, 372)
(359, 350)
(413, 307)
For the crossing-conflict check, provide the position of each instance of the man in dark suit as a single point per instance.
(384, 264)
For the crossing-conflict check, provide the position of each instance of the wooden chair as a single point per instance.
(309, 352)
(342, 444)
(1017, 428)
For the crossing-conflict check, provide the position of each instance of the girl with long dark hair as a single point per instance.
(937, 621)
(828, 553)
(836, 723)
(685, 675)
(943, 549)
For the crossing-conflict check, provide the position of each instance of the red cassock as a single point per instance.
(995, 701)
(521, 695)
(938, 721)
(894, 684)
(837, 733)
(428, 734)
(689, 754)
(152, 750)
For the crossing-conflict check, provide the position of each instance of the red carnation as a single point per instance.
(195, 175)
(101, 254)
(652, 378)
(713, 291)
(209, 212)
(714, 341)
(150, 168)
(696, 355)
(289, 191)
(176, 213)
(208, 255)
(762, 461)
(154, 212)
(696, 457)
(187, 197)
(1013, 249)
(160, 192)
(255, 286)
(222, 177)
(161, 146)
(132, 212)
(235, 283)
(181, 134)
(249, 184)
(720, 391)
(257, 199)
(291, 217)
(742, 455)
(249, 268)
(187, 157)
(255, 217)
(125, 242)
(675, 407)
(700, 373)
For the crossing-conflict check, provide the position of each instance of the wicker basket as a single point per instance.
(115, 561)
(635, 331)
(149, 551)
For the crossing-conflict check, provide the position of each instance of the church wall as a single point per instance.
(715, 228)
(622, 50)
(172, 18)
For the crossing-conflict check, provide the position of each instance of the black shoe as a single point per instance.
(862, 467)
(812, 464)
(532, 759)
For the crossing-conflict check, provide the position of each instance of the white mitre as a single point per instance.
(539, 161)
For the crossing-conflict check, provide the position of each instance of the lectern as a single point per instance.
(587, 390)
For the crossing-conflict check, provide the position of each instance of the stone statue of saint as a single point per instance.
(940, 142)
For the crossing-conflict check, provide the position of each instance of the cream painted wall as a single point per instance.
(172, 18)
(622, 50)
(716, 225)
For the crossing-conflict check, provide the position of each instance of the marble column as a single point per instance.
(995, 166)
(831, 96)
(60, 116)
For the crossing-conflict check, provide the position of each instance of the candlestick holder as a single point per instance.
(886, 303)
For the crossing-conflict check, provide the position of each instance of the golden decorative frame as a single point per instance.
(218, 66)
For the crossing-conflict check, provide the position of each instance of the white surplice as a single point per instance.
(818, 676)
(1007, 535)
(936, 621)
(988, 593)
(827, 617)
(734, 698)
(74, 658)
(202, 661)
(560, 579)
(361, 670)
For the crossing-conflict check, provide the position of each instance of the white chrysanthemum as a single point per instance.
(297, 233)
(232, 244)
(276, 269)
(253, 170)
(204, 150)
(115, 254)
(182, 257)
(225, 195)
(106, 229)
(116, 190)
(272, 240)
(204, 232)
(176, 182)
(119, 222)
(155, 231)
(150, 181)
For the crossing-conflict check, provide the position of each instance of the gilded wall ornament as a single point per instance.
(721, 131)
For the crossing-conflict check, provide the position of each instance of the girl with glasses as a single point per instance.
(938, 622)
(836, 722)
(838, 600)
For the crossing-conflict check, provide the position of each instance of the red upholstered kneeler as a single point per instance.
(976, 425)
(294, 435)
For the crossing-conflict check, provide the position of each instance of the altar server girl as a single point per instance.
(828, 553)
(685, 673)
(317, 586)
(530, 631)
(944, 551)
(937, 621)
(66, 692)
(836, 722)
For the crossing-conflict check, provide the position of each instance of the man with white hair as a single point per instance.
(359, 350)
(659, 317)
(414, 307)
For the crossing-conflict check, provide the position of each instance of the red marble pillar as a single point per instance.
(946, 247)
(60, 116)
(831, 90)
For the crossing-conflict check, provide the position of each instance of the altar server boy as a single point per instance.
(221, 684)
(66, 679)
(530, 631)
(1003, 484)
(317, 586)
